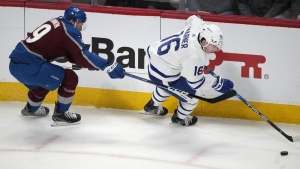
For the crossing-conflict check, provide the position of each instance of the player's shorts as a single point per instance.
(180, 84)
(33, 73)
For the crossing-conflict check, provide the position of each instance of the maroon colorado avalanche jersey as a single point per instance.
(58, 38)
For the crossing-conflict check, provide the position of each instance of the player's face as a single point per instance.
(79, 25)
(211, 48)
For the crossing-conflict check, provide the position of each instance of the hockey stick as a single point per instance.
(180, 93)
(183, 94)
(290, 138)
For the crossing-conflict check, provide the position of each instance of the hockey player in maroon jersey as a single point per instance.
(30, 65)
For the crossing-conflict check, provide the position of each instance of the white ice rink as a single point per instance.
(123, 139)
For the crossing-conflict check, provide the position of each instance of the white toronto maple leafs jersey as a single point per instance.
(181, 55)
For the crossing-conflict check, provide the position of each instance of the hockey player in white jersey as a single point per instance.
(178, 61)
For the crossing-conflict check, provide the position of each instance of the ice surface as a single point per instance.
(123, 139)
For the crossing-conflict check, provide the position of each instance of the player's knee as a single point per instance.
(70, 80)
(37, 94)
(188, 106)
(193, 101)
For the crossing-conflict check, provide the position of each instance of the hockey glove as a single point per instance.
(223, 85)
(114, 70)
(93, 69)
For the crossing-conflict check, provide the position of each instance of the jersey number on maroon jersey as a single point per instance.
(38, 33)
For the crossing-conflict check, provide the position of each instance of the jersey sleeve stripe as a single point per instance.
(198, 84)
(184, 108)
(162, 74)
(84, 54)
(160, 94)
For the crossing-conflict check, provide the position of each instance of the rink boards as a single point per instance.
(260, 56)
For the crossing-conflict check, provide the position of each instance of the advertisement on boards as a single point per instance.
(262, 67)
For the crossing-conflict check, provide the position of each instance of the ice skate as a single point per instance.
(150, 109)
(65, 119)
(42, 111)
(189, 120)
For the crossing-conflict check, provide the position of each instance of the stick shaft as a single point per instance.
(183, 93)
(290, 138)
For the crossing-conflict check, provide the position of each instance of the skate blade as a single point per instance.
(143, 112)
(178, 124)
(57, 124)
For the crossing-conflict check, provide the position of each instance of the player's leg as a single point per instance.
(153, 107)
(182, 113)
(66, 91)
(35, 99)
(159, 96)
(25, 73)
(184, 109)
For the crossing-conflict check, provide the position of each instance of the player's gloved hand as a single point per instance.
(114, 70)
(93, 69)
(223, 85)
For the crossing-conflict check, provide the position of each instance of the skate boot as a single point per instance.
(150, 109)
(42, 111)
(65, 118)
(189, 120)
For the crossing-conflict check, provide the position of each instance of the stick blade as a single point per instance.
(224, 96)
(295, 139)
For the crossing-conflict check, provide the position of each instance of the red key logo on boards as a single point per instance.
(251, 61)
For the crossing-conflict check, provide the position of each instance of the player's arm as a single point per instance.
(194, 20)
(80, 55)
(193, 68)
(87, 59)
(196, 79)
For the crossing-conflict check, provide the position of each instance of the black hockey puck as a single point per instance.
(284, 153)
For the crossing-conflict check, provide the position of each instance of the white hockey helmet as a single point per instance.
(212, 34)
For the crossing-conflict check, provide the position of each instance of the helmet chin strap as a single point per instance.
(204, 46)
(83, 26)
(75, 25)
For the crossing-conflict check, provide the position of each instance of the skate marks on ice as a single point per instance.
(109, 138)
